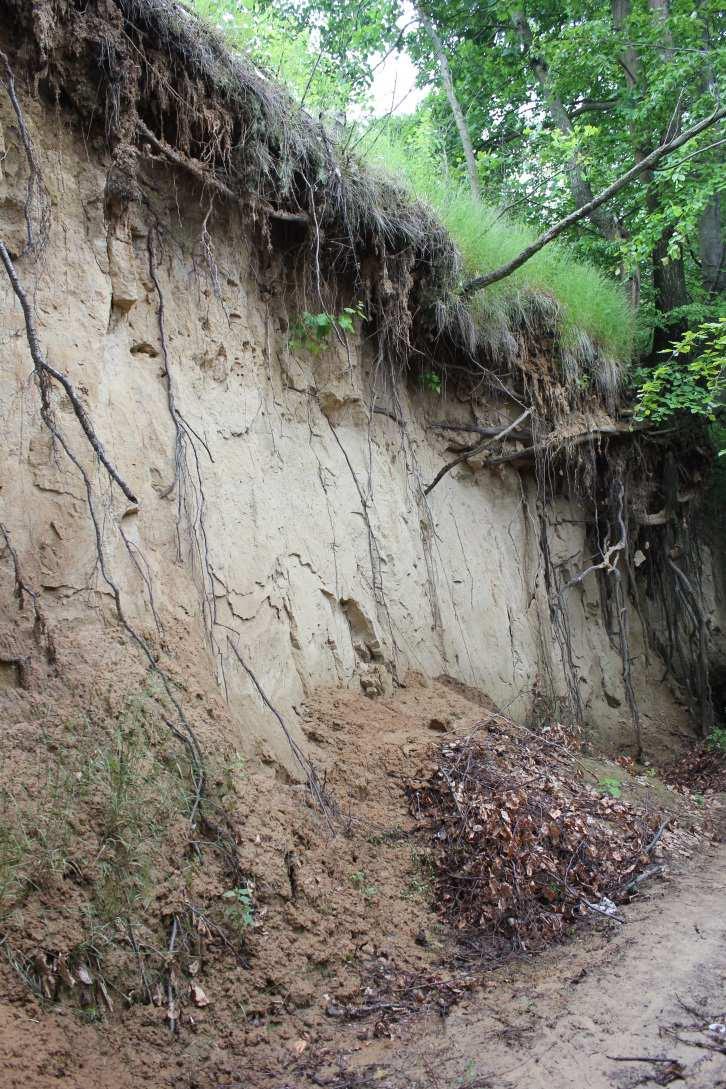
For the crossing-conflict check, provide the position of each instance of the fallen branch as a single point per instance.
(647, 163)
(652, 871)
(656, 838)
(694, 1043)
(42, 367)
(637, 1059)
(172, 1012)
(476, 450)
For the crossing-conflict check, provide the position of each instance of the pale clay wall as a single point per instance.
(287, 540)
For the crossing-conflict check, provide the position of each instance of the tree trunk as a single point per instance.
(458, 113)
(630, 61)
(669, 273)
(579, 185)
(711, 240)
(712, 245)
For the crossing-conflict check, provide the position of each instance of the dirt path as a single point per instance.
(553, 1023)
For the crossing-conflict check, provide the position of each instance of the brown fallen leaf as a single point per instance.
(199, 998)
(84, 975)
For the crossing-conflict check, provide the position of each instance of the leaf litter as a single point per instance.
(522, 847)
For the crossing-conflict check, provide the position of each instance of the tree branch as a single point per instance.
(485, 432)
(645, 164)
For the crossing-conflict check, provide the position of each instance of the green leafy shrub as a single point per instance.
(431, 381)
(610, 784)
(692, 379)
(311, 332)
(240, 909)
(717, 739)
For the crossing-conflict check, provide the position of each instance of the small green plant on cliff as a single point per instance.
(312, 332)
(431, 381)
(716, 740)
(360, 880)
(240, 909)
(610, 784)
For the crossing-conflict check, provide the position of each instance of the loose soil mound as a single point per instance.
(338, 927)
(103, 879)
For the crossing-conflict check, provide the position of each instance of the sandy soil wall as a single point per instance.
(286, 526)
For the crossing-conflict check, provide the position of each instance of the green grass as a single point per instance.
(588, 311)
(584, 299)
(103, 809)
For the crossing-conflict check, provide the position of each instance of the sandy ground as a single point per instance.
(562, 1021)
(547, 1022)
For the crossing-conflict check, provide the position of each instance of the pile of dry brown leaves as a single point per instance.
(522, 847)
(701, 771)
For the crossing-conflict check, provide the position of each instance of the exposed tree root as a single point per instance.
(37, 201)
(211, 181)
(41, 632)
(477, 449)
(181, 730)
(188, 483)
(44, 369)
(693, 604)
(44, 373)
(375, 556)
(311, 775)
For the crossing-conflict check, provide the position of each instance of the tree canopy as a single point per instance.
(536, 108)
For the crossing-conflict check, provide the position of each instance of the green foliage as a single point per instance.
(360, 880)
(282, 47)
(619, 84)
(431, 381)
(312, 332)
(240, 909)
(692, 379)
(610, 784)
(717, 739)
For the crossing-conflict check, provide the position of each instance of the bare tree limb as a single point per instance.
(480, 282)
(485, 432)
(37, 200)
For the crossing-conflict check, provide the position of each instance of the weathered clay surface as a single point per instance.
(297, 532)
